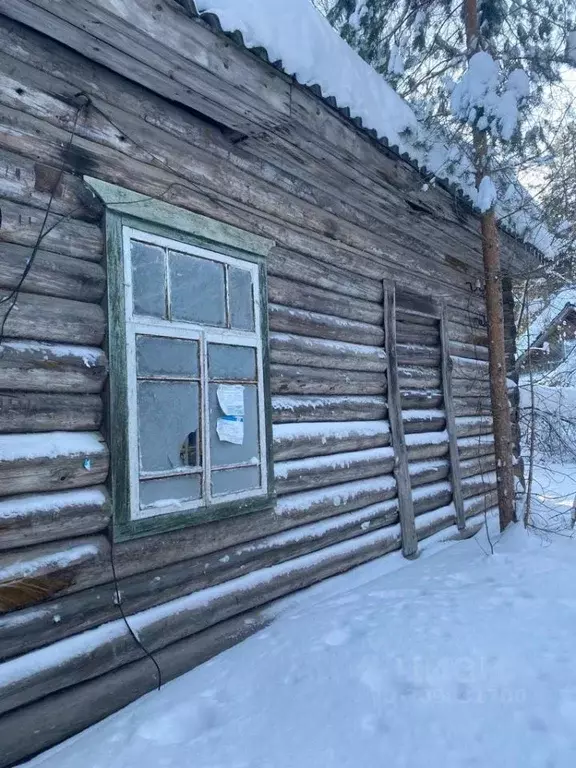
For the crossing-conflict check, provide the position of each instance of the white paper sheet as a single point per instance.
(231, 399)
(230, 427)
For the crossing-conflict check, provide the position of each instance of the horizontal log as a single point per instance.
(291, 349)
(35, 574)
(418, 354)
(429, 523)
(29, 628)
(67, 712)
(467, 367)
(40, 517)
(111, 645)
(299, 441)
(467, 332)
(481, 465)
(475, 505)
(46, 318)
(304, 380)
(38, 367)
(428, 471)
(468, 426)
(423, 421)
(427, 445)
(478, 445)
(319, 471)
(22, 224)
(421, 398)
(42, 412)
(52, 274)
(136, 555)
(427, 498)
(314, 299)
(479, 484)
(405, 316)
(51, 461)
(412, 377)
(472, 406)
(38, 185)
(408, 333)
(475, 351)
(324, 326)
(285, 263)
(328, 408)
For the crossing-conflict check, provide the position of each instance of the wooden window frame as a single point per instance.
(157, 222)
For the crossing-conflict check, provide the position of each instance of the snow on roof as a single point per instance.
(541, 322)
(295, 34)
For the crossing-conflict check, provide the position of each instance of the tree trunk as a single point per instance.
(494, 309)
(497, 362)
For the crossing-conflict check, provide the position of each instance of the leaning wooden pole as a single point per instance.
(494, 311)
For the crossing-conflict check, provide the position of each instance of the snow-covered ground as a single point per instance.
(460, 658)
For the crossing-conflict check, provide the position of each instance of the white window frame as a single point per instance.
(204, 334)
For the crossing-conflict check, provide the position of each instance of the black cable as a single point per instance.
(12, 297)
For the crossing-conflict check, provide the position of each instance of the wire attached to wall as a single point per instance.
(11, 299)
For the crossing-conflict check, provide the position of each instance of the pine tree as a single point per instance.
(480, 70)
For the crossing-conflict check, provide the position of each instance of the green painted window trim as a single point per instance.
(126, 208)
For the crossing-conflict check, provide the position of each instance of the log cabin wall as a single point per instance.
(345, 215)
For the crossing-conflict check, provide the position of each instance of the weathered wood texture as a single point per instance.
(345, 214)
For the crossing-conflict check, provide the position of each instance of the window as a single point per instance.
(189, 422)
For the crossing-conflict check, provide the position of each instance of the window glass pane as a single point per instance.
(223, 451)
(165, 491)
(229, 362)
(168, 425)
(241, 299)
(157, 356)
(196, 289)
(234, 480)
(149, 295)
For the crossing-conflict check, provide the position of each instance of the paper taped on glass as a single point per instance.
(230, 427)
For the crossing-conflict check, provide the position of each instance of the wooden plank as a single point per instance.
(302, 440)
(416, 421)
(401, 471)
(40, 517)
(299, 408)
(46, 318)
(421, 398)
(320, 471)
(414, 377)
(32, 366)
(305, 380)
(290, 349)
(51, 461)
(22, 224)
(29, 628)
(323, 326)
(455, 471)
(52, 274)
(43, 412)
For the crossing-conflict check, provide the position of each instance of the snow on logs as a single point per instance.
(37, 518)
(51, 461)
(303, 440)
(34, 366)
(28, 628)
(109, 646)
